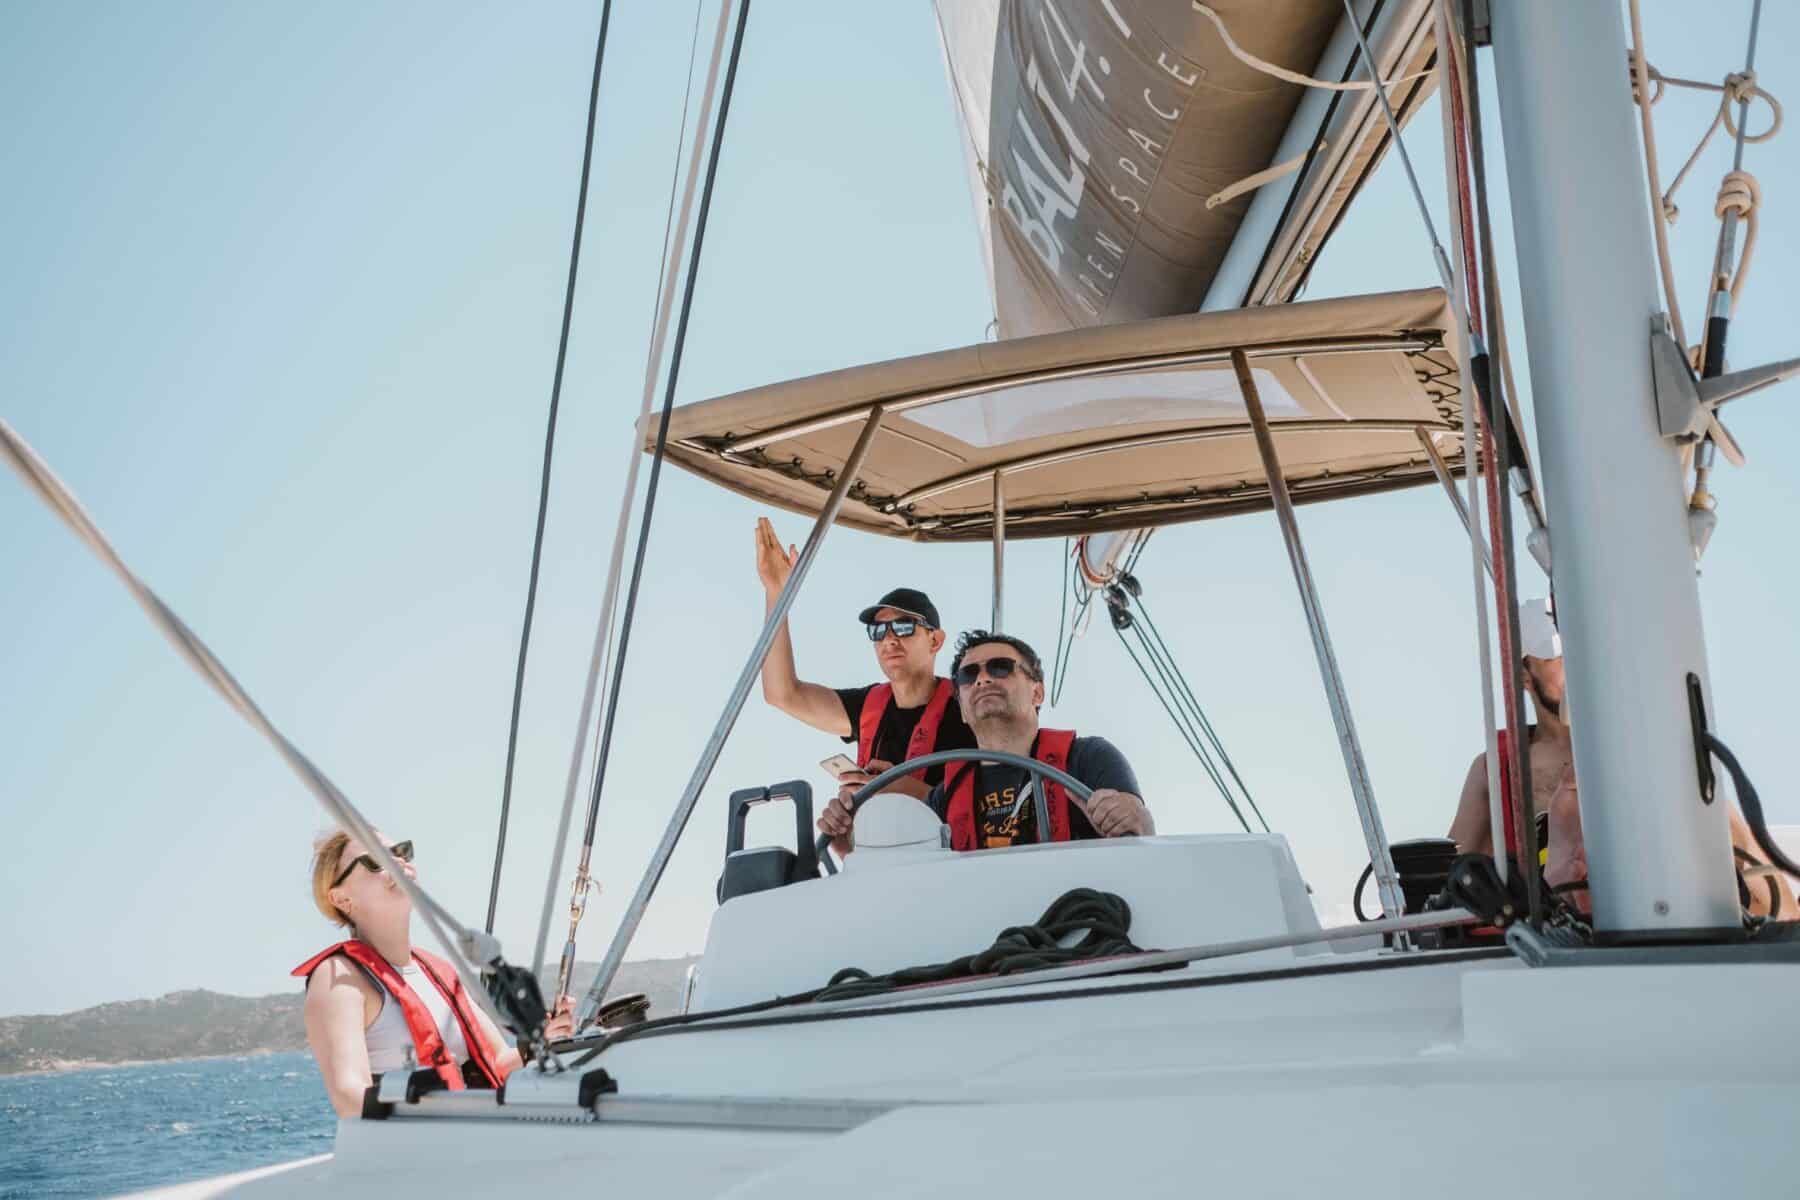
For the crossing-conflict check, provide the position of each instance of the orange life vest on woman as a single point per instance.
(428, 1043)
(924, 734)
(1052, 749)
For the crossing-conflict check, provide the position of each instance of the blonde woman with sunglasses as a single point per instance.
(376, 1003)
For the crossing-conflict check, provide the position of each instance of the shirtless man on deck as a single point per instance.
(1551, 756)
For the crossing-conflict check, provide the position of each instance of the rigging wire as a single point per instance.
(1161, 647)
(1439, 258)
(1456, 169)
(603, 632)
(662, 429)
(1144, 644)
(1059, 661)
(605, 635)
(466, 949)
(537, 540)
(1500, 448)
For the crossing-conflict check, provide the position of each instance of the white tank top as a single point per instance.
(388, 1037)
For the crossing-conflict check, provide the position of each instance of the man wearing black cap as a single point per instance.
(912, 712)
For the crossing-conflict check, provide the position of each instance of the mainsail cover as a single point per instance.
(1096, 131)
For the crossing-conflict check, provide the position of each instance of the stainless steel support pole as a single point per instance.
(1659, 854)
(1386, 881)
(734, 704)
(999, 625)
(1442, 470)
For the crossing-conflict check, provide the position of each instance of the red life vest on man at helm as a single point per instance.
(1052, 749)
(924, 734)
(427, 1041)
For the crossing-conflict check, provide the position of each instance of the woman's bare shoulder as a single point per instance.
(335, 977)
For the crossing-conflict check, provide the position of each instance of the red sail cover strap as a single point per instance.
(1052, 749)
(427, 1042)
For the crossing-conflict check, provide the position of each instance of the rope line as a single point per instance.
(1103, 919)
(1065, 642)
(659, 452)
(600, 657)
(1282, 73)
(543, 508)
(464, 948)
(1144, 644)
(1739, 191)
(1193, 703)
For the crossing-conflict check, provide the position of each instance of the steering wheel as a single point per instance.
(1040, 773)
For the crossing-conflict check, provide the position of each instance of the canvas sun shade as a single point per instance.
(1115, 427)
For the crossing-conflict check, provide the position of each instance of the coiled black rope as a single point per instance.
(537, 540)
(1102, 918)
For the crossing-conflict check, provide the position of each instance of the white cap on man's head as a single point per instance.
(1538, 637)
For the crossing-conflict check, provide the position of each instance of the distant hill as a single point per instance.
(196, 1024)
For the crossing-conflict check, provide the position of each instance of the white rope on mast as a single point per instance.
(1739, 191)
(465, 947)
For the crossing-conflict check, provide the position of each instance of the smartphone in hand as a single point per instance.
(838, 765)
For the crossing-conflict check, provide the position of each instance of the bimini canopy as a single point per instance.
(1116, 427)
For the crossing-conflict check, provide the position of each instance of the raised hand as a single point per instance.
(772, 562)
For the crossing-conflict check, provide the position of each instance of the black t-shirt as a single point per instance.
(896, 729)
(1003, 818)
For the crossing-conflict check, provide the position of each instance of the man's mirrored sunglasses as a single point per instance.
(902, 627)
(400, 850)
(997, 668)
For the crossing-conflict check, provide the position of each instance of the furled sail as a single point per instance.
(1097, 132)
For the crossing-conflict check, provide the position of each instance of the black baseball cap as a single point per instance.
(907, 600)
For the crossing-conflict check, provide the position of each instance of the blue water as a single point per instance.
(98, 1133)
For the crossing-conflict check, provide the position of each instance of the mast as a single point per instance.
(1659, 852)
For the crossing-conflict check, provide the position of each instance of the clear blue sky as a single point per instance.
(279, 291)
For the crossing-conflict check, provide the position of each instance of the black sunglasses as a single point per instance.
(400, 850)
(997, 668)
(903, 627)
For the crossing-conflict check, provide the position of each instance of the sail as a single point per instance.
(1096, 133)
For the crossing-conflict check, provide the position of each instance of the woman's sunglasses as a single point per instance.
(997, 668)
(400, 850)
(902, 628)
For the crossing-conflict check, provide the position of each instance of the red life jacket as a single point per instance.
(427, 1042)
(1052, 749)
(924, 734)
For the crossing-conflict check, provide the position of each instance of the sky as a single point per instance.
(279, 296)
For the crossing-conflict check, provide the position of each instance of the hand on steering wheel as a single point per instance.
(843, 809)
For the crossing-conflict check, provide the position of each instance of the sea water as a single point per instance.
(121, 1129)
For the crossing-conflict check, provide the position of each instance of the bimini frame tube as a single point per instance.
(734, 704)
(1386, 882)
(1441, 469)
(1658, 849)
(999, 551)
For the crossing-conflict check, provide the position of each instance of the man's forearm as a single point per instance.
(780, 678)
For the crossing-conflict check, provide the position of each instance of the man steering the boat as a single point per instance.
(1000, 688)
(911, 712)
